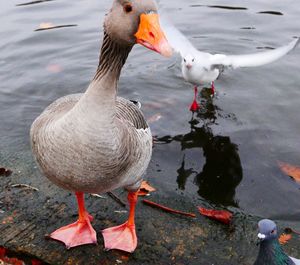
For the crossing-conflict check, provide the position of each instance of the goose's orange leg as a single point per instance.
(79, 233)
(123, 237)
(195, 106)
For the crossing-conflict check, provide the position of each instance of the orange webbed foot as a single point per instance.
(79, 233)
(122, 237)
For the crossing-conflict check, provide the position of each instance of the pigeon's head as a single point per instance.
(188, 61)
(267, 230)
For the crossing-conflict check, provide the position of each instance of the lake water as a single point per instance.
(227, 155)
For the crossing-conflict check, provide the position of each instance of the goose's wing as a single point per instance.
(176, 39)
(255, 59)
(130, 111)
(296, 261)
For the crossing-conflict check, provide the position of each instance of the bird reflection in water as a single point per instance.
(222, 171)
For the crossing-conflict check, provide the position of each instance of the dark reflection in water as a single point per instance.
(222, 171)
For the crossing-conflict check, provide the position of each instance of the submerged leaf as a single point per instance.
(284, 238)
(219, 215)
(292, 171)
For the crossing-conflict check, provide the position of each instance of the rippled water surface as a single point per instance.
(227, 154)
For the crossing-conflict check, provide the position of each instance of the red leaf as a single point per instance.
(290, 170)
(219, 215)
(167, 209)
(284, 238)
(2, 252)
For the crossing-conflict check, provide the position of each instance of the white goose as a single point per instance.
(96, 142)
(202, 68)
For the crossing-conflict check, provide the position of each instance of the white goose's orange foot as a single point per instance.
(122, 237)
(79, 233)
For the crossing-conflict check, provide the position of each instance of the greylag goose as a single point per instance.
(96, 142)
(202, 68)
(270, 252)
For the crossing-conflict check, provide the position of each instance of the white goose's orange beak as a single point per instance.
(151, 36)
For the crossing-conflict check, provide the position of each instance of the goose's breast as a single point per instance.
(85, 157)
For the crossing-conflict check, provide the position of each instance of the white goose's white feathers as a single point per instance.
(201, 67)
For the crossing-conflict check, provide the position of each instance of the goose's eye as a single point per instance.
(128, 8)
(272, 232)
(184, 60)
(193, 60)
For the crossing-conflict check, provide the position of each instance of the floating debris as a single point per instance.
(219, 215)
(5, 172)
(284, 238)
(145, 189)
(290, 170)
(222, 7)
(116, 198)
(48, 26)
(122, 211)
(167, 209)
(98, 196)
(271, 13)
(34, 2)
(24, 186)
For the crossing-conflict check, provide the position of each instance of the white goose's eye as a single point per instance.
(184, 60)
(193, 60)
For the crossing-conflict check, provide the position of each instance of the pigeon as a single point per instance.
(202, 68)
(270, 252)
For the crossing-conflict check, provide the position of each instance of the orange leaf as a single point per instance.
(292, 171)
(219, 215)
(284, 238)
(46, 25)
(145, 189)
(167, 209)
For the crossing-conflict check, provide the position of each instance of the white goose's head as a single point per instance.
(188, 61)
(136, 21)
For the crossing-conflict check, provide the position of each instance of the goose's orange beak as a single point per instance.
(151, 36)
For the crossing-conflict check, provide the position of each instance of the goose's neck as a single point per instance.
(113, 56)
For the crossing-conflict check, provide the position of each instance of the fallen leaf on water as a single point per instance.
(145, 189)
(154, 118)
(5, 172)
(284, 238)
(46, 25)
(219, 215)
(167, 209)
(54, 68)
(292, 171)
